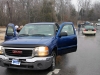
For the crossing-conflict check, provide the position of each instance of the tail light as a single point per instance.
(94, 29)
(84, 29)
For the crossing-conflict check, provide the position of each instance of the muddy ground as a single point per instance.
(2, 34)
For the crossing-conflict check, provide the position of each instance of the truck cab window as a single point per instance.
(10, 29)
(68, 29)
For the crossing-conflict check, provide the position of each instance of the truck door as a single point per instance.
(68, 43)
(10, 32)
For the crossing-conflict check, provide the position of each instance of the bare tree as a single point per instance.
(83, 8)
(24, 11)
(96, 9)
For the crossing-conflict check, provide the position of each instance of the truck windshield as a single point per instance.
(37, 30)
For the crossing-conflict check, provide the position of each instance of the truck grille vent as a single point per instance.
(18, 53)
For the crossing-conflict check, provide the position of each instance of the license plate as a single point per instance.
(15, 62)
(89, 30)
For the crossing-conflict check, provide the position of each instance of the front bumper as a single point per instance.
(36, 63)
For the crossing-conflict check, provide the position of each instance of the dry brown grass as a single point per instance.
(2, 29)
(2, 26)
(1, 37)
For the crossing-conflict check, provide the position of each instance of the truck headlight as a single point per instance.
(41, 51)
(1, 50)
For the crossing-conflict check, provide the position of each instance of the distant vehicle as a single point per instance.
(98, 23)
(87, 23)
(92, 23)
(89, 29)
(98, 19)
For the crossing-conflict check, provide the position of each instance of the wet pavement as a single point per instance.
(86, 61)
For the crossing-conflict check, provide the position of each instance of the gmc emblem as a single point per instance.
(16, 52)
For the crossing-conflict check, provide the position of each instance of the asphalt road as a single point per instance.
(86, 61)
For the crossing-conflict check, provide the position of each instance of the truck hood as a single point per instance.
(30, 40)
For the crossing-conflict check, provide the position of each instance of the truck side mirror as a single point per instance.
(63, 34)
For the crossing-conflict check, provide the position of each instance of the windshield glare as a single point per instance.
(37, 30)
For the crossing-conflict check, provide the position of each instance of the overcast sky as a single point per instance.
(75, 2)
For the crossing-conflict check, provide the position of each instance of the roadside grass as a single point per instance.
(2, 34)
(1, 37)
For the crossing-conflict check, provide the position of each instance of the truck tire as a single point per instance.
(52, 67)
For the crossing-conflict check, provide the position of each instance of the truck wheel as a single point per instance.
(52, 67)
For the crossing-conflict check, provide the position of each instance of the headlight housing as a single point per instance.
(1, 50)
(41, 51)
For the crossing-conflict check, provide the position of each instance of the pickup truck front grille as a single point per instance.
(18, 52)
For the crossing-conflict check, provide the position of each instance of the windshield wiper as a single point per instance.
(38, 35)
(23, 34)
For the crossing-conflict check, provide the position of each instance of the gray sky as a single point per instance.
(75, 2)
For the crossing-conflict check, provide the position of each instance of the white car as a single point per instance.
(97, 24)
(89, 29)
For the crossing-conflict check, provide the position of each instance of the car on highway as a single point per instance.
(37, 45)
(89, 29)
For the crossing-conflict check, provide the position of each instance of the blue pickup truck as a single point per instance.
(36, 46)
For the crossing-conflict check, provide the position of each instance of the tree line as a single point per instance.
(88, 10)
(25, 11)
